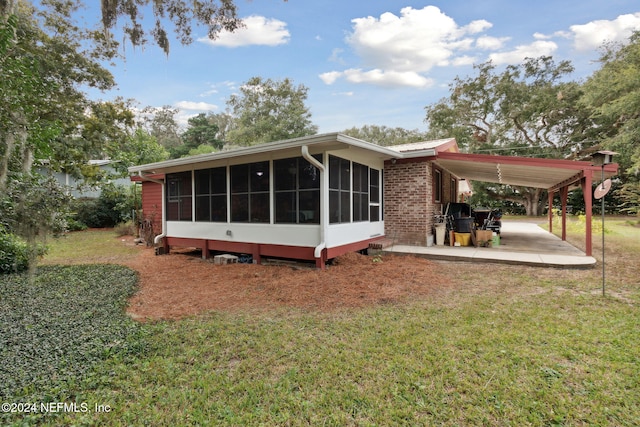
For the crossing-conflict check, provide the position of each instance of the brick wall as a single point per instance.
(408, 206)
(152, 204)
(408, 200)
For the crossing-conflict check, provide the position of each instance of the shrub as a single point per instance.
(14, 253)
(74, 225)
(32, 207)
(114, 206)
(88, 213)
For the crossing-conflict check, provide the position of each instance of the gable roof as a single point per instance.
(327, 141)
(519, 171)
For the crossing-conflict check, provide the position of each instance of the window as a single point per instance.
(250, 192)
(437, 185)
(339, 190)
(179, 196)
(360, 192)
(374, 195)
(297, 191)
(211, 194)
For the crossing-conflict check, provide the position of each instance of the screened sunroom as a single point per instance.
(311, 198)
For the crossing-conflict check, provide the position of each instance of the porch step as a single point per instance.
(381, 243)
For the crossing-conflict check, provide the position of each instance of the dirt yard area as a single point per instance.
(182, 284)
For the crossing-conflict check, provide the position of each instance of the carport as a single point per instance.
(553, 175)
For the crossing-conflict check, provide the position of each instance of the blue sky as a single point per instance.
(369, 62)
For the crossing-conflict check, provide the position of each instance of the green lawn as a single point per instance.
(86, 247)
(508, 345)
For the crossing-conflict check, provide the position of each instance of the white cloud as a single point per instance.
(417, 40)
(258, 30)
(336, 56)
(398, 50)
(477, 26)
(379, 77)
(214, 88)
(533, 50)
(592, 35)
(491, 43)
(182, 119)
(461, 61)
(330, 77)
(209, 92)
(195, 106)
(560, 34)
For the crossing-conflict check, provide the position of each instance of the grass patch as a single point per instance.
(510, 345)
(542, 360)
(622, 248)
(55, 329)
(87, 247)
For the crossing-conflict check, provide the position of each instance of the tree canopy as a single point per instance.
(201, 136)
(216, 15)
(47, 63)
(612, 95)
(384, 135)
(162, 125)
(531, 109)
(269, 110)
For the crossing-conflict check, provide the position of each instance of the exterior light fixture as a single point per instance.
(602, 158)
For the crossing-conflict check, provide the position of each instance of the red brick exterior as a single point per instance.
(409, 205)
(152, 204)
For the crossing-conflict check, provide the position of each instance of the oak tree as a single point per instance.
(530, 109)
(269, 110)
(612, 95)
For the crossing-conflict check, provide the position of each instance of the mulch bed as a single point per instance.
(180, 284)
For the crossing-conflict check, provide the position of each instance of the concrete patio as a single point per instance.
(523, 243)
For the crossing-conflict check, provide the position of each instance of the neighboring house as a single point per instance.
(78, 188)
(318, 197)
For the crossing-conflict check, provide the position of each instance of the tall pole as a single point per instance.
(603, 231)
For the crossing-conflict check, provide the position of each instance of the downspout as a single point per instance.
(163, 234)
(317, 252)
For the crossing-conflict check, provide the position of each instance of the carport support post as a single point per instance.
(550, 193)
(564, 195)
(588, 206)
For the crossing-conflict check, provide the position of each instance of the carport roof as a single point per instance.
(520, 171)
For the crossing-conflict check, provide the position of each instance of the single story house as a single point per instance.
(320, 196)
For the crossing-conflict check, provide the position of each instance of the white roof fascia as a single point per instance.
(268, 147)
(422, 148)
(431, 152)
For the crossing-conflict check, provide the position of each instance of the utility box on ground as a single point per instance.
(225, 259)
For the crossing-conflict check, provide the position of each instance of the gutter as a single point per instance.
(163, 234)
(324, 220)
